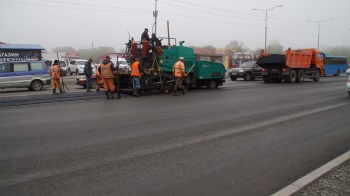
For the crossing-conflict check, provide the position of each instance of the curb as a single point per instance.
(313, 176)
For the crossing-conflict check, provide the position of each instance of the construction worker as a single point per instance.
(56, 74)
(99, 79)
(145, 36)
(88, 74)
(136, 70)
(179, 73)
(106, 69)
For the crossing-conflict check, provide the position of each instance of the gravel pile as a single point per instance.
(336, 183)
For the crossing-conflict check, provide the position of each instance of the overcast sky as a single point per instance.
(79, 23)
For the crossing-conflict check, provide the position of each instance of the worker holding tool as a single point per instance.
(56, 74)
(179, 73)
(136, 69)
(106, 69)
(88, 74)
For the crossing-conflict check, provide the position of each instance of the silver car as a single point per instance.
(24, 74)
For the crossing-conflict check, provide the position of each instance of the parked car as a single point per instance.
(77, 66)
(348, 85)
(81, 81)
(348, 71)
(24, 74)
(122, 64)
(63, 66)
(247, 70)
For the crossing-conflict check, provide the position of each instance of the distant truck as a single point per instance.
(293, 66)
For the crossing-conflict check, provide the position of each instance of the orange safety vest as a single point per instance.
(98, 74)
(55, 72)
(135, 71)
(106, 71)
(179, 69)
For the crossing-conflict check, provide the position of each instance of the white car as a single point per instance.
(122, 64)
(348, 85)
(77, 66)
(348, 71)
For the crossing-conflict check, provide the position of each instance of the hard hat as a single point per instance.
(181, 58)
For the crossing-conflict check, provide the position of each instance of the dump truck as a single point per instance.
(293, 66)
(158, 62)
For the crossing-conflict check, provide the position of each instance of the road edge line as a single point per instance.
(301, 183)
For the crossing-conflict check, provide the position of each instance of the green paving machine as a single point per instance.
(158, 61)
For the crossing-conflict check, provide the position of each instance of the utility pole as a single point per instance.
(319, 29)
(265, 11)
(155, 15)
(92, 51)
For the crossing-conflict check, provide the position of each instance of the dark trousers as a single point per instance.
(178, 84)
(88, 83)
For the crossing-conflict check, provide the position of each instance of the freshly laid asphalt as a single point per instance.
(246, 138)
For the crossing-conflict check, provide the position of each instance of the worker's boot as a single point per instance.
(183, 90)
(136, 93)
(112, 94)
(175, 93)
(107, 94)
(54, 91)
(118, 95)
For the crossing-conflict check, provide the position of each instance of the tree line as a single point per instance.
(274, 47)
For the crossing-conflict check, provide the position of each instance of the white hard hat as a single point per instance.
(181, 58)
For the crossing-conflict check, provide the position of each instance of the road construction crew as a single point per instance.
(136, 69)
(106, 69)
(99, 79)
(56, 74)
(179, 73)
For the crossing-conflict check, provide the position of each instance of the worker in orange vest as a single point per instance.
(179, 73)
(136, 69)
(56, 74)
(99, 79)
(106, 69)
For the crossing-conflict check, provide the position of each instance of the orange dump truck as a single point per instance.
(293, 66)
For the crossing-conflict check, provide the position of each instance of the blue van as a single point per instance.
(24, 74)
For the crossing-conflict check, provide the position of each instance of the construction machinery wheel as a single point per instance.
(212, 84)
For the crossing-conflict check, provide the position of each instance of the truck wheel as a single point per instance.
(317, 77)
(300, 76)
(212, 84)
(77, 72)
(248, 77)
(70, 72)
(233, 78)
(292, 76)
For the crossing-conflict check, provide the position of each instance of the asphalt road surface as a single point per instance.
(245, 138)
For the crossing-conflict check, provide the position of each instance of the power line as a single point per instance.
(208, 12)
(69, 7)
(216, 8)
(205, 19)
